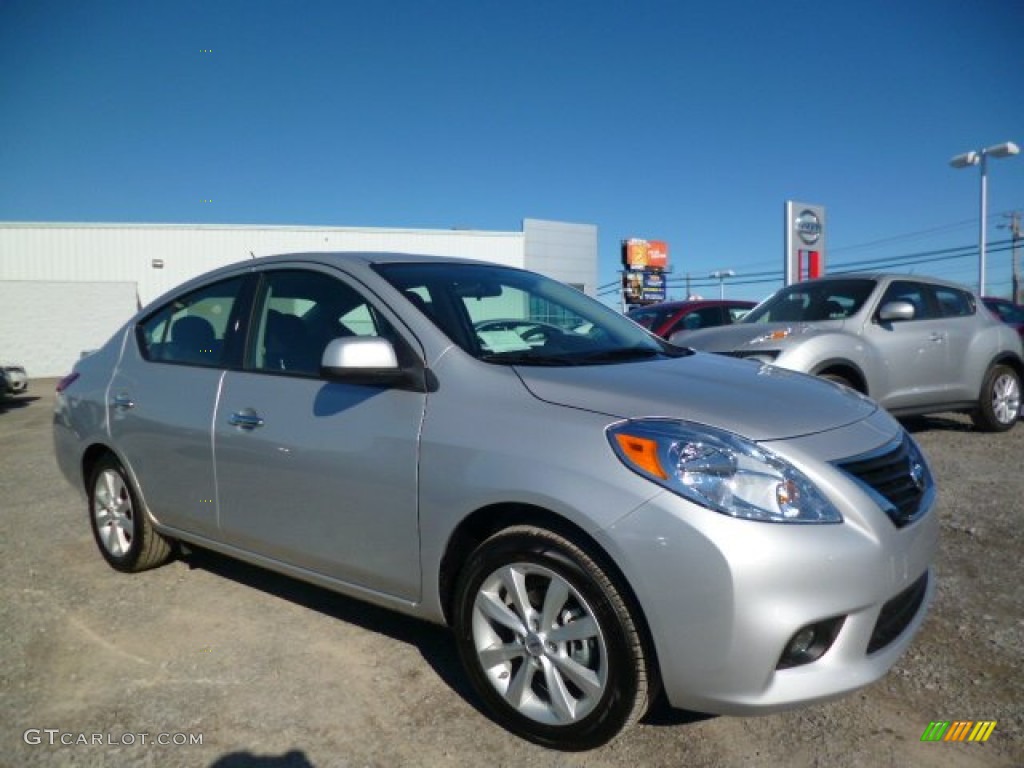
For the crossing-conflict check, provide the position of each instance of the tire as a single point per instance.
(548, 641)
(999, 401)
(835, 378)
(120, 526)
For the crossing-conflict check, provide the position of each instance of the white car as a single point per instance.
(13, 380)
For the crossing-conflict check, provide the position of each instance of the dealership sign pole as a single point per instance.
(805, 242)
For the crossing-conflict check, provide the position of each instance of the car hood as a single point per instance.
(737, 337)
(760, 402)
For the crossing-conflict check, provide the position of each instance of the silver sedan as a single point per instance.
(598, 516)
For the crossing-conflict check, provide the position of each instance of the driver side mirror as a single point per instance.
(374, 361)
(359, 356)
(896, 311)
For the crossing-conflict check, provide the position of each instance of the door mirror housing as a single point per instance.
(896, 311)
(360, 357)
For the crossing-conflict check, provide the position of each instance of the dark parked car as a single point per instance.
(670, 317)
(1010, 313)
(915, 344)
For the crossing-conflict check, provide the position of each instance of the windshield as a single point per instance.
(813, 302)
(508, 316)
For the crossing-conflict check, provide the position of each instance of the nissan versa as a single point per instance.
(598, 515)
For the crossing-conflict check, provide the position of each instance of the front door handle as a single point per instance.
(246, 418)
(937, 337)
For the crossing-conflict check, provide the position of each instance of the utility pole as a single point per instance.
(1015, 235)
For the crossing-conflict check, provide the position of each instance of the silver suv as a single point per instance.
(915, 344)
(597, 514)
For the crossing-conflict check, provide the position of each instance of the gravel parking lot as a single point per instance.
(265, 671)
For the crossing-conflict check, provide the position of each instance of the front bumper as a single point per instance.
(723, 597)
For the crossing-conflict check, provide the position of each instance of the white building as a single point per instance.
(65, 288)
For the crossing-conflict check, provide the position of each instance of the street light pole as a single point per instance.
(980, 158)
(720, 275)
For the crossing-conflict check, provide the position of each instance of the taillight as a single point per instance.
(66, 382)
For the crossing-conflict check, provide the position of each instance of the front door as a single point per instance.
(318, 474)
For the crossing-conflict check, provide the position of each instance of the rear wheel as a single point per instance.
(548, 641)
(123, 533)
(999, 402)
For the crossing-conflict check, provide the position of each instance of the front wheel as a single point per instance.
(999, 402)
(548, 641)
(123, 533)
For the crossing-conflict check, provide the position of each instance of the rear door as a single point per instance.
(162, 396)
(913, 354)
(959, 311)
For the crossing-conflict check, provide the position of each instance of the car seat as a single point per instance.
(192, 340)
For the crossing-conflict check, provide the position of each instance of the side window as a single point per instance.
(735, 314)
(298, 312)
(954, 303)
(705, 317)
(915, 294)
(192, 329)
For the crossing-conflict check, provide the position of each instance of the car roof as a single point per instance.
(889, 276)
(367, 258)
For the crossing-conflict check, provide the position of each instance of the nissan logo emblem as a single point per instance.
(808, 227)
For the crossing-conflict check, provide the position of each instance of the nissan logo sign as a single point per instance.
(808, 227)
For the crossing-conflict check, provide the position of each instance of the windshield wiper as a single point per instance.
(621, 353)
(526, 358)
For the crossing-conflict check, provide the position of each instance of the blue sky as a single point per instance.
(681, 121)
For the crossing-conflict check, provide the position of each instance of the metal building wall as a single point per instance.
(563, 251)
(126, 252)
(47, 325)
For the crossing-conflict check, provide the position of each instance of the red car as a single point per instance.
(1010, 313)
(670, 316)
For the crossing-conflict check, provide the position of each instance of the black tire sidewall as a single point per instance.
(617, 703)
(128, 561)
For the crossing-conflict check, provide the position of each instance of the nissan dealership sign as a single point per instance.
(805, 241)
(808, 226)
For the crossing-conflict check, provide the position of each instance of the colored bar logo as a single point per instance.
(958, 730)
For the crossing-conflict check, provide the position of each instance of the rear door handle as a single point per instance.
(937, 337)
(246, 418)
(123, 401)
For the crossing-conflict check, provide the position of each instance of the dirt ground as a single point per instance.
(268, 672)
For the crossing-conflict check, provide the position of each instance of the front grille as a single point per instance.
(897, 614)
(896, 476)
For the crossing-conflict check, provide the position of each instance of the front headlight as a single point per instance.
(721, 471)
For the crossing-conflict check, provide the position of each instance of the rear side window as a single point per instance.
(954, 303)
(192, 329)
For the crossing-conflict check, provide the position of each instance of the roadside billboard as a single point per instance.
(645, 263)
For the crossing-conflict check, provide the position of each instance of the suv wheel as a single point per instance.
(999, 403)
